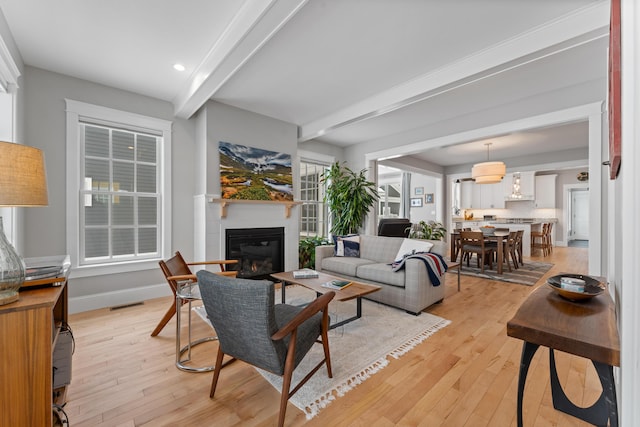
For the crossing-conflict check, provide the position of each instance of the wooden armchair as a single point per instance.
(273, 337)
(175, 270)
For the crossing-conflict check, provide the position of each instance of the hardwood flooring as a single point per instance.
(464, 375)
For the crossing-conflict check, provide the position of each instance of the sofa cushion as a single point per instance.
(343, 265)
(381, 272)
(348, 246)
(411, 246)
(379, 248)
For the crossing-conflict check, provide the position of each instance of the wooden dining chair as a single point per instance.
(538, 239)
(548, 239)
(509, 250)
(519, 236)
(176, 270)
(473, 242)
(456, 244)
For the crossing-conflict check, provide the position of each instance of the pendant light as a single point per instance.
(488, 172)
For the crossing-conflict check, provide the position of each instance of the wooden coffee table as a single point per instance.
(355, 291)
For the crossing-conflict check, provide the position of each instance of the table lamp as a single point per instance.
(23, 182)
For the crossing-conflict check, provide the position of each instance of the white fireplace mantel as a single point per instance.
(224, 203)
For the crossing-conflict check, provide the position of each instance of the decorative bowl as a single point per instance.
(488, 231)
(592, 287)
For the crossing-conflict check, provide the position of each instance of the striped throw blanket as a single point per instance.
(434, 263)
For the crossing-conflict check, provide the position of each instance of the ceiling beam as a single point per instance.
(564, 33)
(255, 24)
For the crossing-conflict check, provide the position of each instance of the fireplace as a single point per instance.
(259, 251)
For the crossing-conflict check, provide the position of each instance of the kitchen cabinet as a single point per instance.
(492, 195)
(482, 196)
(545, 191)
(469, 200)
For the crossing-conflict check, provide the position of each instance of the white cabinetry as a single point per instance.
(545, 191)
(482, 196)
(467, 196)
(492, 195)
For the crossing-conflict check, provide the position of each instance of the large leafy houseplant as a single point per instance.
(349, 197)
(429, 230)
(307, 251)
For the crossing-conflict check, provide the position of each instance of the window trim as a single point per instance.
(319, 159)
(76, 112)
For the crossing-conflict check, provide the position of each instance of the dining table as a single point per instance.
(496, 236)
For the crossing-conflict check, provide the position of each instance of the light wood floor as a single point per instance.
(464, 375)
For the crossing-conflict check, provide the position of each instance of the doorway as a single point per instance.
(578, 233)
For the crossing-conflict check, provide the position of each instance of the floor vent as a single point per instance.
(118, 307)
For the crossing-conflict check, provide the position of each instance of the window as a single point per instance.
(313, 212)
(118, 170)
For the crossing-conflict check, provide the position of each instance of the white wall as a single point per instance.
(230, 124)
(429, 185)
(45, 231)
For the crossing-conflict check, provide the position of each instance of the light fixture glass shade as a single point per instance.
(11, 270)
(488, 172)
(23, 182)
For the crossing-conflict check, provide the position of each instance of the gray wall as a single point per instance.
(45, 119)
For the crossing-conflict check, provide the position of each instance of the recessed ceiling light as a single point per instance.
(179, 67)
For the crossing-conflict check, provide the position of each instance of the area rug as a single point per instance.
(359, 349)
(528, 274)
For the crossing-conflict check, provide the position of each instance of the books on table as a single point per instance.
(305, 273)
(337, 284)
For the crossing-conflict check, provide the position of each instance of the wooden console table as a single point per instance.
(587, 329)
(29, 328)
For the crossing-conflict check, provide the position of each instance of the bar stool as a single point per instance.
(538, 239)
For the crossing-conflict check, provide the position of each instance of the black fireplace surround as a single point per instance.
(259, 251)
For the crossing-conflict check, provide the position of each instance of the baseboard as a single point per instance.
(115, 298)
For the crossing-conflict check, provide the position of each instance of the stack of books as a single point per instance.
(337, 284)
(305, 273)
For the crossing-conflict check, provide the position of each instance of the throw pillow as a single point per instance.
(347, 246)
(412, 246)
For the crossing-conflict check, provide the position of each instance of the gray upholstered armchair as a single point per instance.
(273, 337)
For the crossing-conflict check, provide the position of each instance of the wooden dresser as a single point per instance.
(29, 328)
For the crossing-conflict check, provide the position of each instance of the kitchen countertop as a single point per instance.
(508, 220)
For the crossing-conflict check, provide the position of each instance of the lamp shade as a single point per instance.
(23, 179)
(488, 172)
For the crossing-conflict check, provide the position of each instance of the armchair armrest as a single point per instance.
(317, 305)
(221, 262)
(183, 277)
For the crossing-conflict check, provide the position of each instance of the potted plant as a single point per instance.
(349, 197)
(428, 230)
(307, 251)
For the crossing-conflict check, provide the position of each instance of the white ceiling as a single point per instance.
(344, 71)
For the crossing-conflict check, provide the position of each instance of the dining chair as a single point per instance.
(272, 337)
(509, 250)
(176, 271)
(473, 242)
(456, 243)
(548, 239)
(538, 239)
(519, 236)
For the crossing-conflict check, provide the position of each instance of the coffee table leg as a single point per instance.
(350, 319)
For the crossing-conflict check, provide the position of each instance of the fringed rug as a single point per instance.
(528, 274)
(359, 349)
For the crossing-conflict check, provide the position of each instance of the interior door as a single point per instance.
(579, 214)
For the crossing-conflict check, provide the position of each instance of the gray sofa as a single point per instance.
(409, 289)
